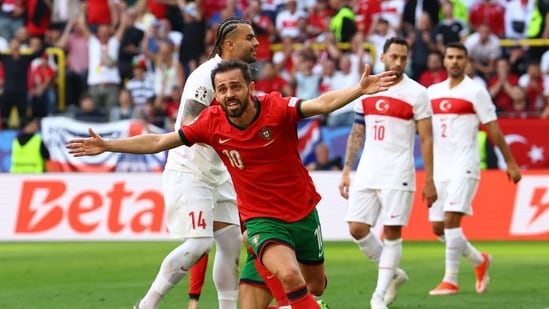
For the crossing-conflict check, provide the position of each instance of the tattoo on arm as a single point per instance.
(354, 144)
(192, 109)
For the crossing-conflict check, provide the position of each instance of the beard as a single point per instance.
(235, 111)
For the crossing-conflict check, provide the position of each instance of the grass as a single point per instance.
(88, 275)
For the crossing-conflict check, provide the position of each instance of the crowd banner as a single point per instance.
(129, 206)
(57, 131)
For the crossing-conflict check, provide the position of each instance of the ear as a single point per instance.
(251, 87)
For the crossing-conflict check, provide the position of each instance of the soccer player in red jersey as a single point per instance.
(257, 141)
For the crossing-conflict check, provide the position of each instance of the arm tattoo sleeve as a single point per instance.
(354, 144)
(191, 110)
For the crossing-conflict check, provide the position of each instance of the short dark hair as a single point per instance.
(457, 45)
(227, 26)
(226, 66)
(395, 40)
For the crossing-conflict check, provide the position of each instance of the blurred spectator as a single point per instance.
(472, 73)
(323, 162)
(103, 75)
(144, 18)
(141, 86)
(303, 35)
(42, 89)
(271, 81)
(342, 23)
(329, 67)
(130, 45)
(318, 19)
(12, 17)
(193, 44)
(151, 114)
(461, 10)
(101, 12)
(157, 8)
(304, 80)
(421, 42)
(215, 15)
(518, 59)
(125, 109)
(367, 13)
(449, 29)
(151, 41)
(165, 73)
(38, 17)
(283, 59)
(22, 35)
(435, 72)
(264, 31)
(521, 19)
(29, 154)
(484, 48)
(520, 106)
(16, 67)
(62, 11)
(345, 76)
(381, 33)
(391, 11)
(413, 9)
(75, 44)
(536, 85)
(287, 20)
(87, 110)
(502, 87)
(173, 102)
(488, 12)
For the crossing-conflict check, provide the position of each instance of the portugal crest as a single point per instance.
(266, 134)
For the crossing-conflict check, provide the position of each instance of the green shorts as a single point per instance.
(304, 236)
(249, 274)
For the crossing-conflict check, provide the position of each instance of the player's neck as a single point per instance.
(249, 115)
(454, 81)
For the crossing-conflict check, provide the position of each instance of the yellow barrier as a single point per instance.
(61, 70)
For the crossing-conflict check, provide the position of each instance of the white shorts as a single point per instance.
(192, 204)
(454, 195)
(392, 207)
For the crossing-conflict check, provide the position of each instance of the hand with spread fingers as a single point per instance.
(90, 146)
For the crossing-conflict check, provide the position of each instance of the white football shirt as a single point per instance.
(457, 113)
(198, 158)
(387, 160)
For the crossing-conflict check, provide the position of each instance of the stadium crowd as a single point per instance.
(129, 59)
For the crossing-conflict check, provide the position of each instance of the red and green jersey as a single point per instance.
(268, 174)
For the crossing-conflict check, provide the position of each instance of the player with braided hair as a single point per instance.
(257, 285)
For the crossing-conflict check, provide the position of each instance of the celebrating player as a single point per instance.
(255, 137)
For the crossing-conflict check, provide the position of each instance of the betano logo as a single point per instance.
(531, 210)
(49, 204)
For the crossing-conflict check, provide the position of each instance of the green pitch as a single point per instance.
(92, 275)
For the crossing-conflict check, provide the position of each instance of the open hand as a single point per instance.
(90, 146)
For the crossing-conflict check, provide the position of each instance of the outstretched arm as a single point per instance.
(332, 100)
(140, 144)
